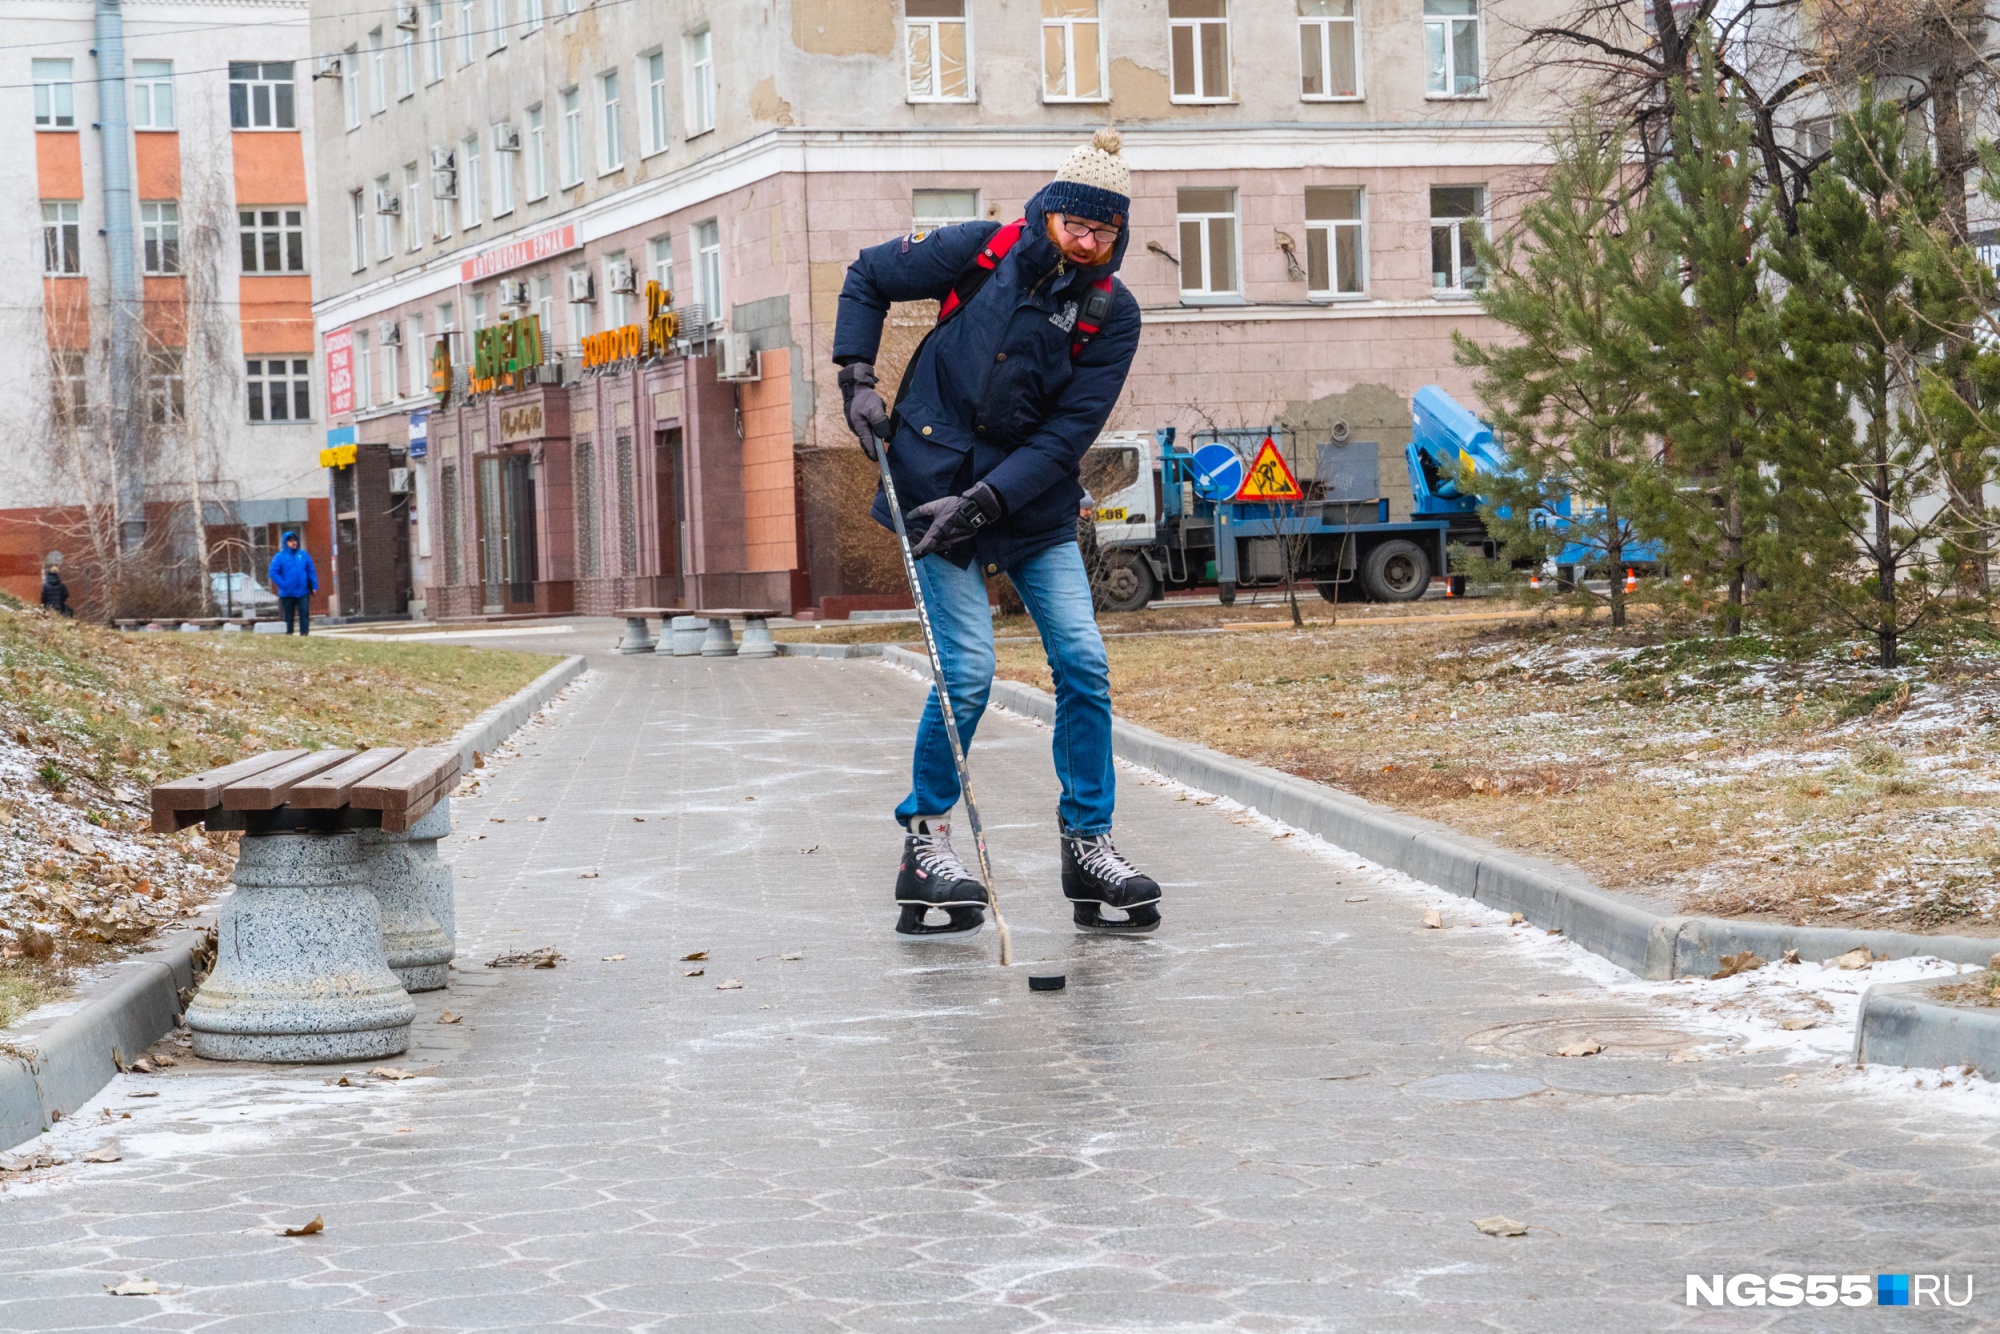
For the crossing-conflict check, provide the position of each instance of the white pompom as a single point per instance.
(1106, 140)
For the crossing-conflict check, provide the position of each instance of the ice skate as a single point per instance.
(932, 880)
(1096, 877)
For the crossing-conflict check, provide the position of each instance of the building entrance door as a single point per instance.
(673, 527)
(507, 557)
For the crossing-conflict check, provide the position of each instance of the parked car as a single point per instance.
(241, 595)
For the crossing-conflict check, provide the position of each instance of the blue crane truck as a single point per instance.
(1166, 516)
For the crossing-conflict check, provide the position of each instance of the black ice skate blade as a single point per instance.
(1138, 920)
(961, 923)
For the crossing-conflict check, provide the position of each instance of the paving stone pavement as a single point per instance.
(1266, 1118)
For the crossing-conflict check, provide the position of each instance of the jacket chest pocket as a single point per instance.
(1027, 377)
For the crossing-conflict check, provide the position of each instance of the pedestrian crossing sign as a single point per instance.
(1269, 477)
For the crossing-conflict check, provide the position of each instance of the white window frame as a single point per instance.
(1455, 227)
(262, 222)
(545, 305)
(62, 238)
(281, 94)
(419, 354)
(925, 219)
(617, 305)
(358, 234)
(289, 376)
(1441, 72)
(153, 94)
(707, 236)
(364, 370)
(447, 314)
(1198, 259)
(531, 16)
(166, 384)
(478, 300)
(385, 225)
(1067, 26)
(496, 26)
(378, 73)
(1199, 30)
(468, 183)
(653, 78)
(467, 22)
(55, 94)
(660, 257)
(931, 27)
(350, 86)
(569, 139)
(611, 136)
(406, 63)
(1326, 233)
(580, 323)
(538, 152)
(413, 225)
(503, 183)
(1316, 34)
(441, 210)
(433, 41)
(160, 227)
(700, 52)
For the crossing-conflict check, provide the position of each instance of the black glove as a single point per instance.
(946, 523)
(864, 406)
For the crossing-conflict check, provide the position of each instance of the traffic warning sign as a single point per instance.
(1269, 477)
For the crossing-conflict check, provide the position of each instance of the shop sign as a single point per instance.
(340, 371)
(340, 448)
(420, 434)
(500, 352)
(633, 341)
(521, 423)
(516, 253)
(441, 369)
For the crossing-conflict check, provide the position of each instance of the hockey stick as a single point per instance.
(943, 695)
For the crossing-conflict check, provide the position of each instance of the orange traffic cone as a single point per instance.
(1535, 583)
(1631, 580)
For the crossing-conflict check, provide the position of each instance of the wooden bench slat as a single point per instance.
(269, 789)
(739, 613)
(407, 782)
(198, 792)
(330, 790)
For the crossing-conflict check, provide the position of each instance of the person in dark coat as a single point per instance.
(294, 580)
(989, 429)
(55, 593)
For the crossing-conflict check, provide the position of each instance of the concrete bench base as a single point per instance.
(686, 637)
(409, 881)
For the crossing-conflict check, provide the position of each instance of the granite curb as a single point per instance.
(1900, 1024)
(77, 1047)
(829, 650)
(1632, 935)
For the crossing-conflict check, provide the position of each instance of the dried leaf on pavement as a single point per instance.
(1581, 1047)
(1500, 1226)
(729, 984)
(1433, 919)
(1791, 956)
(103, 1154)
(1732, 964)
(545, 957)
(29, 1162)
(695, 972)
(793, 957)
(449, 1018)
(1357, 898)
(586, 875)
(133, 1287)
(142, 1066)
(696, 957)
(614, 958)
(391, 1073)
(1794, 1025)
(1858, 957)
(312, 1229)
(1516, 918)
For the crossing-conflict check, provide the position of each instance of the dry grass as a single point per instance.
(1983, 990)
(1716, 777)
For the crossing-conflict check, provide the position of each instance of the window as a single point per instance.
(62, 237)
(579, 316)
(701, 83)
(280, 389)
(654, 67)
(940, 57)
(444, 189)
(617, 304)
(1816, 137)
(479, 310)
(1072, 52)
(496, 24)
(661, 249)
(152, 94)
(350, 87)
(545, 304)
(930, 209)
(468, 182)
(1336, 241)
(572, 139)
(610, 144)
(708, 269)
(433, 40)
(69, 398)
(531, 17)
(55, 95)
(538, 153)
(378, 73)
(1451, 48)
(447, 328)
(385, 221)
(1199, 30)
(1457, 221)
(364, 370)
(420, 357)
(406, 63)
(503, 182)
(166, 386)
(413, 228)
(1208, 242)
(274, 239)
(1329, 63)
(261, 96)
(160, 229)
(466, 24)
(389, 331)
(357, 207)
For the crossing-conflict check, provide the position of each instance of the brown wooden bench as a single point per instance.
(282, 791)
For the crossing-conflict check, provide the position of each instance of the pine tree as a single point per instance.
(1710, 320)
(1561, 389)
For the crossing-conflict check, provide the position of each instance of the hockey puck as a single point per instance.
(1046, 981)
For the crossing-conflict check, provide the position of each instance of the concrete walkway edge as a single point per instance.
(1901, 1024)
(1649, 944)
(48, 1073)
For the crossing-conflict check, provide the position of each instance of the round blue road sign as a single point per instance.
(1218, 472)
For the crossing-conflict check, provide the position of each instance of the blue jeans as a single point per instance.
(299, 609)
(1056, 589)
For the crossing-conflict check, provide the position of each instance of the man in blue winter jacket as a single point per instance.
(294, 580)
(990, 424)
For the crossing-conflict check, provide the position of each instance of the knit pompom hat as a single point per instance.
(1094, 183)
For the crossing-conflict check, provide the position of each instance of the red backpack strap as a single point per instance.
(1090, 320)
(974, 278)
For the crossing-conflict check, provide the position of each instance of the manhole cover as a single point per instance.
(1475, 1087)
(1623, 1035)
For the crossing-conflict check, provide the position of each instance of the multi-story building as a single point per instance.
(165, 394)
(1309, 176)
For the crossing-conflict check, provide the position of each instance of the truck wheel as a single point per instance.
(1329, 591)
(1226, 594)
(1125, 582)
(1395, 571)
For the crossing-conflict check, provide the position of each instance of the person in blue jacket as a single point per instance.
(294, 580)
(990, 425)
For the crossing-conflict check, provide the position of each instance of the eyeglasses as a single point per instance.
(1080, 230)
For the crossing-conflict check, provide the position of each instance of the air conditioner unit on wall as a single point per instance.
(581, 286)
(513, 291)
(736, 360)
(444, 159)
(506, 138)
(620, 277)
(390, 332)
(386, 202)
(399, 482)
(406, 17)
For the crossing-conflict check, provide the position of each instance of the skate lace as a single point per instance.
(936, 855)
(1097, 856)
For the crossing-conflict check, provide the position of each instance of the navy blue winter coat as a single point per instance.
(292, 573)
(995, 397)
